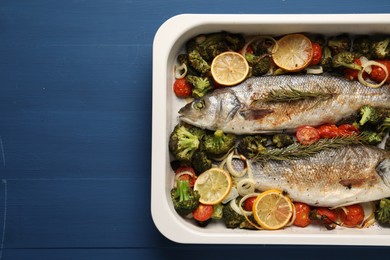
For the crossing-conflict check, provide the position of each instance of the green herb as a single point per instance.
(298, 151)
(291, 94)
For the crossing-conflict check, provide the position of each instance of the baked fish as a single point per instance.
(281, 103)
(331, 178)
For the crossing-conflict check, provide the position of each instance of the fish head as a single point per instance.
(211, 111)
(383, 170)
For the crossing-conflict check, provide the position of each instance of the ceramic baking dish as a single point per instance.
(168, 43)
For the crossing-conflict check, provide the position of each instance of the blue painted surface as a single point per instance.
(75, 127)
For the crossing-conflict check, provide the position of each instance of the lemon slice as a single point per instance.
(272, 210)
(293, 52)
(213, 186)
(229, 68)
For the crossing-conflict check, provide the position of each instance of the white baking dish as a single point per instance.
(168, 43)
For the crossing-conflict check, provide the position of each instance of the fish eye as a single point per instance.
(198, 104)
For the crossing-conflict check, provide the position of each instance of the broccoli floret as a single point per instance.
(382, 212)
(339, 43)
(200, 85)
(326, 60)
(381, 48)
(219, 143)
(282, 140)
(217, 211)
(345, 59)
(260, 64)
(210, 45)
(246, 224)
(183, 59)
(385, 125)
(362, 46)
(184, 141)
(372, 137)
(231, 218)
(252, 145)
(185, 200)
(200, 162)
(198, 63)
(369, 115)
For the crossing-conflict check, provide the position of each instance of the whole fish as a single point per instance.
(282, 103)
(330, 178)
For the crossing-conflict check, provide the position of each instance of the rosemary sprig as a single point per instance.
(298, 151)
(288, 94)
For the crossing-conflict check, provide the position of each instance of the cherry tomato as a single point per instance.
(203, 212)
(248, 203)
(328, 131)
(378, 74)
(307, 135)
(182, 88)
(352, 216)
(191, 179)
(324, 215)
(352, 74)
(347, 129)
(317, 53)
(302, 212)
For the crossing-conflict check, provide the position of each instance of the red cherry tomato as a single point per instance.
(317, 53)
(182, 88)
(248, 203)
(352, 74)
(328, 131)
(324, 215)
(302, 212)
(378, 74)
(307, 135)
(203, 212)
(352, 216)
(347, 129)
(191, 179)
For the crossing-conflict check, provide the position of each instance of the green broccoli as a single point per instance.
(372, 137)
(200, 85)
(345, 59)
(219, 143)
(369, 115)
(260, 65)
(231, 218)
(200, 162)
(282, 140)
(339, 43)
(381, 48)
(217, 211)
(185, 200)
(184, 141)
(198, 63)
(183, 59)
(251, 145)
(382, 212)
(326, 60)
(362, 46)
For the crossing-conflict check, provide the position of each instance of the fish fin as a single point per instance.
(255, 114)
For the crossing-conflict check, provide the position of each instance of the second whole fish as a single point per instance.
(248, 108)
(331, 178)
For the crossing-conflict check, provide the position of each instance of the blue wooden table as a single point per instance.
(75, 128)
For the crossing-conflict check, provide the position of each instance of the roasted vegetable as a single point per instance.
(369, 115)
(200, 85)
(282, 140)
(260, 64)
(198, 63)
(345, 59)
(372, 137)
(326, 60)
(183, 59)
(252, 145)
(200, 162)
(185, 200)
(382, 212)
(184, 141)
(381, 48)
(339, 43)
(362, 46)
(231, 218)
(218, 143)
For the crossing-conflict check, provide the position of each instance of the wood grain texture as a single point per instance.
(75, 126)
